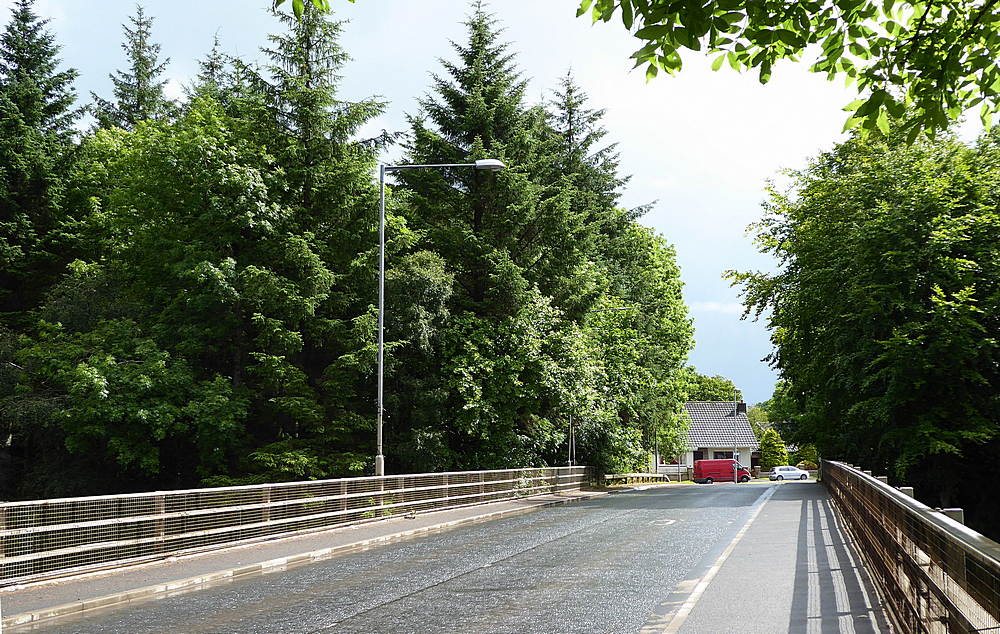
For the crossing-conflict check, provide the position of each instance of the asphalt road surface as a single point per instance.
(603, 565)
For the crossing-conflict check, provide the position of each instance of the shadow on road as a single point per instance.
(831, 589)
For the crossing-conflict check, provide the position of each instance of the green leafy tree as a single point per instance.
(923, 62)
(709, 388)
(138, 91)
(759, 418)
(533, 250)
(641, 351)
(292, 106)
(37, 115)
(886, 305)
(772, 450)
(807, 454)
(299, 6)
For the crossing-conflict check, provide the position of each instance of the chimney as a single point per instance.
(741, 408)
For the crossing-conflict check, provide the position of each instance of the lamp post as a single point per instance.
(490, 165)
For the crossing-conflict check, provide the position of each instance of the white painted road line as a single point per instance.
(681, 615)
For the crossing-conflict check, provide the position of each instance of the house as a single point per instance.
(717, 429)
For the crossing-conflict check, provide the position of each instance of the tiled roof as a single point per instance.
(713, 425)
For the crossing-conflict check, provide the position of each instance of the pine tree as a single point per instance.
(479, 221)
(300, 83)
(578, 132)
(138, 91)
(213, 73)
(488, 392)
(292, 107)
(36, 142)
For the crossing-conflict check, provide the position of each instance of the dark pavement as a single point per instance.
(615, 563)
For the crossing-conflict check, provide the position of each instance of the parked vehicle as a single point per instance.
(788, 473)
(709, 471)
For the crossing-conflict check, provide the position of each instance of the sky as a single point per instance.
(703, 145)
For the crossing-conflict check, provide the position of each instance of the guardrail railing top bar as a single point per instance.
(274, 485)
(972, 540)
(51, 538)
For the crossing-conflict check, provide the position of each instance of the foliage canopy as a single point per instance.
(885, 312)
(921, 62)
(194, 283)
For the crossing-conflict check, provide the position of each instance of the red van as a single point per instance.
(709, 471)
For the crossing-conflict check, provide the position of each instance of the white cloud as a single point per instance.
(174, 90)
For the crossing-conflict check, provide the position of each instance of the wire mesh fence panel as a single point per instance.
(935, 574)
(47, 538)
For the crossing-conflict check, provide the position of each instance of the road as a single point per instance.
(602, 565)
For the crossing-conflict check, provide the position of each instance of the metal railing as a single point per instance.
(49, 538)
(635, 478)
(936, 575)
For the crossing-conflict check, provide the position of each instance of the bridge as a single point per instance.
(529, 550)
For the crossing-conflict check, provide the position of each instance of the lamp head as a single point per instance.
(492, 165)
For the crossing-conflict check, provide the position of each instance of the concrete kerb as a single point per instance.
(272, 565)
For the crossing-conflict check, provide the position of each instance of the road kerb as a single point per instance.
(272, 565)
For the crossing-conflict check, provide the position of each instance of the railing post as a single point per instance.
(160, 509)
(267, 504)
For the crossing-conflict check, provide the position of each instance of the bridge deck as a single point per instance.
(715, 558)
(806, 576)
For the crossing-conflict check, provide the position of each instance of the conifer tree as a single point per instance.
(487, 393)
(772, 450)
(299, 83)
(213, 73)
(138, 91)
(37, 115)
(291, 106)
(533, 249)
(578, 131)
(477, 112)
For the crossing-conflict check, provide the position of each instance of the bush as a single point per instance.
(772, 450)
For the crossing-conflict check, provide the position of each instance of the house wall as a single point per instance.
(687, 458)
(709, 453)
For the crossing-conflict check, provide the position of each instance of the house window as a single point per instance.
(721, 455)
(699, 455)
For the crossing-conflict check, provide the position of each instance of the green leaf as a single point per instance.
(651, 71)
(851, 123)
(298, 7)
(653, 32)
(854, 105)
(986, 116)
(717, 63)
(765, 72)
(627, 14)
(883, 122)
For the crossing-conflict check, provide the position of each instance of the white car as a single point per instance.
(788, 473)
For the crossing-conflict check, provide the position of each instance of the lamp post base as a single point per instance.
(380, 465)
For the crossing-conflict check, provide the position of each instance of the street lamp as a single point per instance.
(490, 165)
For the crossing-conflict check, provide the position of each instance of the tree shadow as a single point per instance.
(832, 592)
